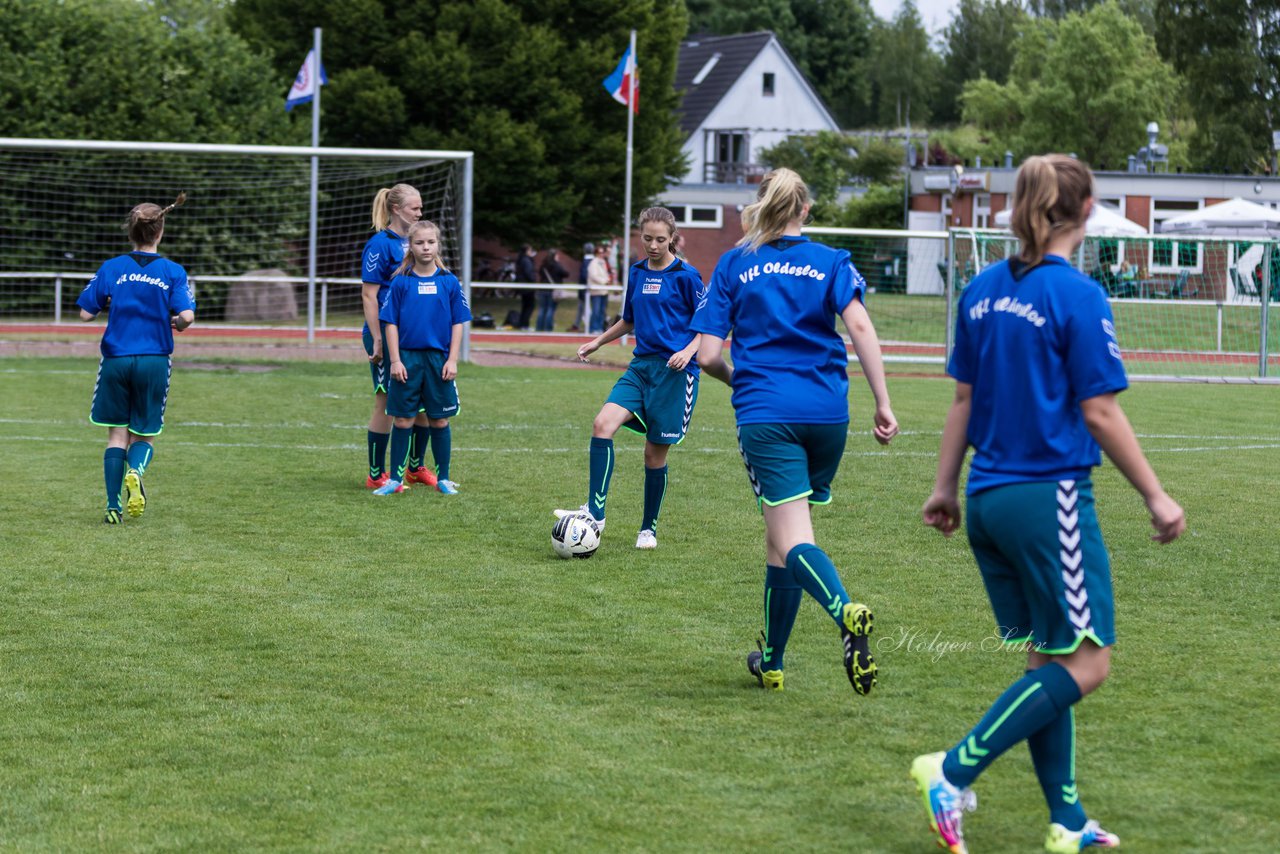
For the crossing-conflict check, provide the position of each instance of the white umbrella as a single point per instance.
(1103, 222)
(1235, 218)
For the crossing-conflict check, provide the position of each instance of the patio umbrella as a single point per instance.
(1103, 222)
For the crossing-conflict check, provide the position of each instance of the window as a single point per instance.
(982, 210)
(1174, 256)
(697, 216)
(768, 84)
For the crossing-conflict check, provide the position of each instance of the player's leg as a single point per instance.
(148, 396)
(418, 445)
(404, 400)
(440, 402)
(618, 411)
(668, 400)
(110, 409)
(379, 433)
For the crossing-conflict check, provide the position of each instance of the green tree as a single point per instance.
(979, 42)
(519, 83)
(120, 69)
(830, 41)
(1089, 84)
(1231, 49)
(904, 69)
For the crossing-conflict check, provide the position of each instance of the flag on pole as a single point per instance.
(304, 85)
(619, 83)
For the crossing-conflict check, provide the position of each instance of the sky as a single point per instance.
(936, 14)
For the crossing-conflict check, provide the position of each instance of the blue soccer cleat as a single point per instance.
(944, 803)
(391, 487)
(1063, 841)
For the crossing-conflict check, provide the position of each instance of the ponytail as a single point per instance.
(146, 221)
(386, 199)
(780, 199)
(1049, 196)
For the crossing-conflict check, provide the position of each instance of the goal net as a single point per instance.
(243, 234)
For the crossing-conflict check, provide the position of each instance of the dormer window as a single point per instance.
(767, 89)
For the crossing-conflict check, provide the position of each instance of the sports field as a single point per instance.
(273, 659)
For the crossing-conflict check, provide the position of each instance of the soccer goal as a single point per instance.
(244, 234)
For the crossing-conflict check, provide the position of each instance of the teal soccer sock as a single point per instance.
(1053, 753)
(781, 604)
(400, 438)
(139, 456)
(113, 476)
(601, 472)
(655, 488)
(1026, 707)
(377, 453)
(441, 450)
(814, 571)
(418, 445)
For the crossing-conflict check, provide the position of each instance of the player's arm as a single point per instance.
(398, 371)
(181, 320)
(1110, 427)
(681, 358)
(711, 358)
(450, 369)
(867, 345)
(942, 509)
(369, 302)
(86, 316)
(613, 333)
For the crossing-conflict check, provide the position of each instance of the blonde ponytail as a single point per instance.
(780, 199)
(146, 221)
(1049, 196)
(386, 199)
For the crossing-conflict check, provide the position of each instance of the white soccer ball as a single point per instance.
(575, 535)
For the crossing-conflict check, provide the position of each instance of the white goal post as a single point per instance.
(246, 229)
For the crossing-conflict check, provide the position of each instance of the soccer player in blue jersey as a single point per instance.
(147, 298)
(779, 294)
(394, 210)
(424, 313)
(656, 395)
(1037, 370)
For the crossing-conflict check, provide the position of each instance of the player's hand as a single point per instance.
(173, 322)
(399, 373)
(376, 356)
(1167, 518)
(942, 511)
(886, 425)
(449, 371)
(586, 350)
(679, 360)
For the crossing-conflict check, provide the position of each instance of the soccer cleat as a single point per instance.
(581, 511)
(391, 487)
(945, 803)
(855, 626)
(447, 487)
(768, 679)
(647, 540)
(1063, 841)
(137, 495)
(112, 517)
(372, 482)
(422, 475)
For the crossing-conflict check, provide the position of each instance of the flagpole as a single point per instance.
(315, 194)
(625, 260)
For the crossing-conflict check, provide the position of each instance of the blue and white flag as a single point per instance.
(620, 86)
(304, 85)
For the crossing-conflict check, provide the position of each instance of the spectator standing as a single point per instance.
(527, 274)
(552, 273)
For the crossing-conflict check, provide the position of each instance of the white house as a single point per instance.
(741, 94)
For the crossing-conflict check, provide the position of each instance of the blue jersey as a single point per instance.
(1033, 343)
(790, 364)
(661, 304)
(382, 254)
(145, 291)
(424, 310)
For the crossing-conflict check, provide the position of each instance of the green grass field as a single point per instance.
(273, 659)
